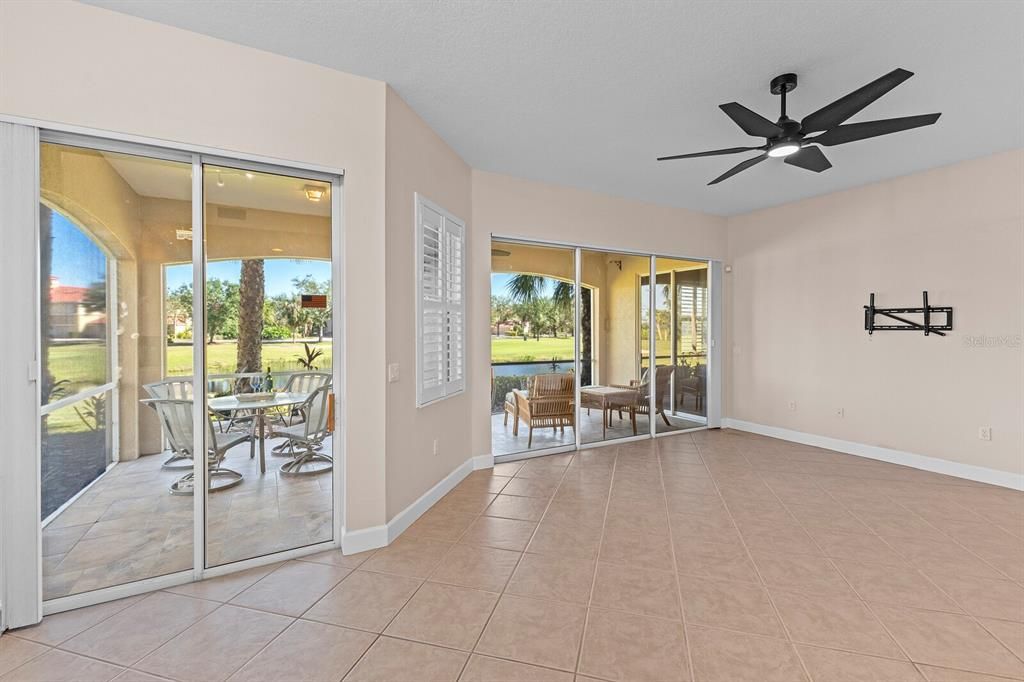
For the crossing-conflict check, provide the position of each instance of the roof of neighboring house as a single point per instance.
(66, 294)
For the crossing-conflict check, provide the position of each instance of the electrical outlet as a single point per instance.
(840, 412)
(985, 433)
(436, 449)
(792, 405)
(393, 373)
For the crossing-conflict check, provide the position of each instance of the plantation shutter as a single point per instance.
(441, 314)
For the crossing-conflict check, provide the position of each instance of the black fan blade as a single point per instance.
(811, 158)
(752, 123)
(739, 168)
(716, 152)
(843, 108)
(862, 131)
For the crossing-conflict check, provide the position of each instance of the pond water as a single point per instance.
(531, 368)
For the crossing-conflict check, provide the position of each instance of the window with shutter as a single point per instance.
(441, 303)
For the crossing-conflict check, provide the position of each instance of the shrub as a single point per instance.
(502, 385)
(276, 331)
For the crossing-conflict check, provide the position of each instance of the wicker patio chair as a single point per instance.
(549, 402)
(662, 380)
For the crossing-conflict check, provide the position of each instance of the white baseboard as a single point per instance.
(970, 472)
(364, 539)
(381, 536)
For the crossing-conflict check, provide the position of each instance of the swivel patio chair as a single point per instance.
(177, 419)
(172, 389)
(305, 439)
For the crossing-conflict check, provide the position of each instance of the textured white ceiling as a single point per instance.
(587, 94)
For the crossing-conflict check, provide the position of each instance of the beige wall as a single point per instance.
(803, 271)
(76, 64)
(419, 161)
(513, 207)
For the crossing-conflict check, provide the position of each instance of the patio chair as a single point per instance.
(172, 389)
(176, 416)
(549, 402)
(305, 439)
(662, 380)
(305, 382)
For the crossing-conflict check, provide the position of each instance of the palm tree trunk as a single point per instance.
(250, 317)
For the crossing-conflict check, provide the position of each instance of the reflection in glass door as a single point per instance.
(615, 398)
(269, 359)
(109, 225)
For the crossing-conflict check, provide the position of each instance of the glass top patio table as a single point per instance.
(231, 403)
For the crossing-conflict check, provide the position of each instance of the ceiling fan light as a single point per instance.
(784, 149)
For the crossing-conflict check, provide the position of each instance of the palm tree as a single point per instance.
(250, 317)
(524, 288)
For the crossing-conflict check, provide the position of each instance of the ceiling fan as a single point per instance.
(789, 139)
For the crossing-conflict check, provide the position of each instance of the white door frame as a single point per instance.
(20, 530)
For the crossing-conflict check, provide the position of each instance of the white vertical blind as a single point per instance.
(441, 303)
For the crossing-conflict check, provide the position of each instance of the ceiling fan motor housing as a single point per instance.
(784, 83)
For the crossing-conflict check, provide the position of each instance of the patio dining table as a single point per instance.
(232, 403)
(608, 399)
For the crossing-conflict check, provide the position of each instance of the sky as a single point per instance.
(499, 284)
(277, 273)
(77, 261)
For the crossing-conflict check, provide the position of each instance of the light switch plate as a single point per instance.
(392, 372)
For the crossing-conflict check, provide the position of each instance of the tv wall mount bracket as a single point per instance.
(927, 324)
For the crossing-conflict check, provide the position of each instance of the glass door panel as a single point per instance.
(109, 225)
(682, 353)
(532, 347)
(614, 398)
(269, 358)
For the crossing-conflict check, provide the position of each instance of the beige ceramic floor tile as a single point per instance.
(542, 488)
(513, 507)
(482, 568)
(948, 640)
(223, 588)
(61, 666)
(308, 651)
(637, 548)
(934, 674)
(486, 669)
(62, 626)
(894, 585)
(364, 600)
(410, 557)
(292, 589)
(801, 573)
(15, 652)
(623, 646)
(637, 590)
(734, 605)
(713, 560)
(138, 676)
(392, 660)
(129, 635)
(829, 665)
(509, 534)
(440, 524)
(545, 633)
(834, 622)
(336, 558)
(725, 656)
(982, 597)
(1010, 634)
(445, 615)
(216, 646)
(553, 577)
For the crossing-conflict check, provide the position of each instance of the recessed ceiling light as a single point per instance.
(250, 176)
(277, 250)
(314, 193)
(220, 179)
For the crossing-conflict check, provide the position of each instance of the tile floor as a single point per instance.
(128, 526)
(711, 556)
(504, 443)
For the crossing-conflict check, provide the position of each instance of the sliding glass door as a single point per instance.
(642, 350)
(180, 430)
(108, 223)
(532, 347)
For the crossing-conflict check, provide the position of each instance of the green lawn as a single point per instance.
(221, 357)
(515, 349)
